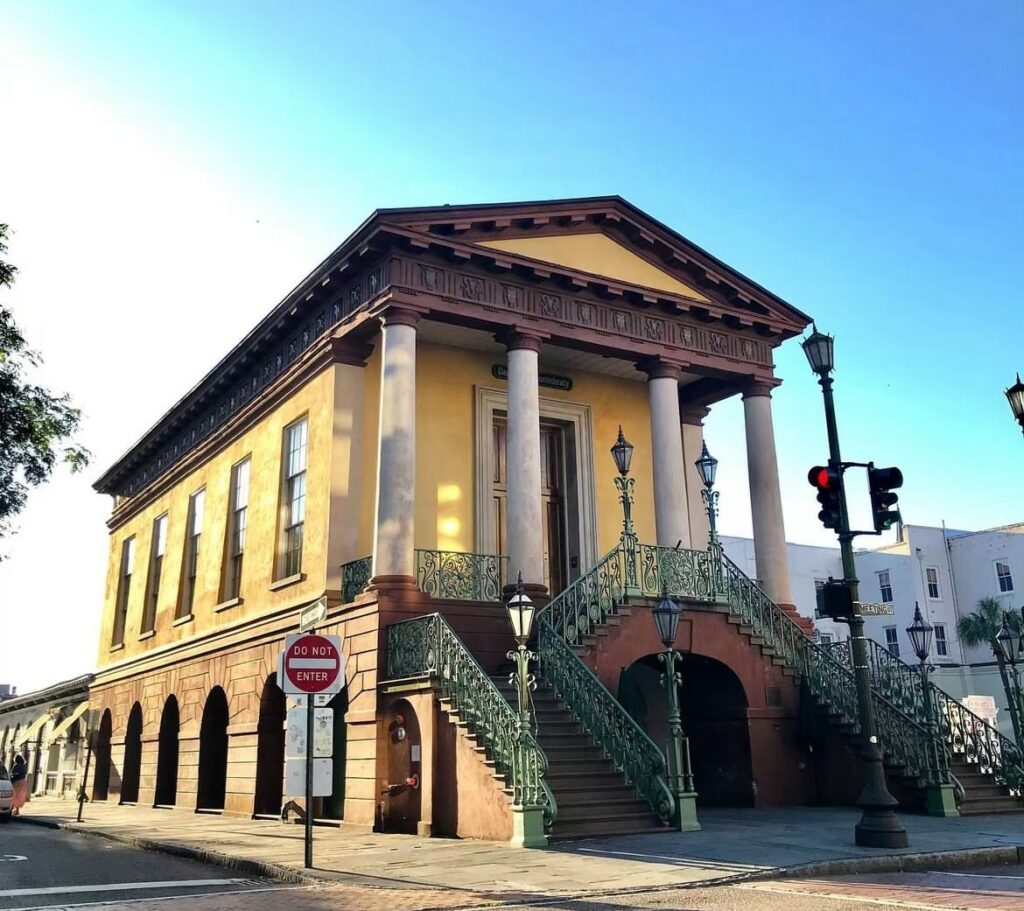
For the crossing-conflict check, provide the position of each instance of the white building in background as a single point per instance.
(946, 572)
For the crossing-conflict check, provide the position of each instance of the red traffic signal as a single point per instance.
(829, 484)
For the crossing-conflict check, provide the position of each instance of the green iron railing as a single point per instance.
(965, 734)
(681, 572)
(427, 647)
(354, 577)
(460, 576)
(601, 715)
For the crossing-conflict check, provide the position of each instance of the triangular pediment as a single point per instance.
(597, 254)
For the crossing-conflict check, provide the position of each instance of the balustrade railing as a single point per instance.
(683, 573)
(354, 577)
(965, 735)
(590, 600)
(428, 647)
(600, 714)
(461, 576)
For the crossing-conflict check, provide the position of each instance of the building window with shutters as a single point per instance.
(293, 499)
(891, 641)
(156, 564)
(941, 644)
(124, 586)
(190, 568)
(238, 510)
(932, 575)
(1003, 577)
(885, 586)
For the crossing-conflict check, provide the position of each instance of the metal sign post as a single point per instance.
(311, 665)
(90, 739)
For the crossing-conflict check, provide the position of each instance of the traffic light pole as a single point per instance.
(879, 826)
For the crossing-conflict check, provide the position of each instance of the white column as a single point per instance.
(765, 497)
(524, 517)
(393, 557)
(671, 515)
(693, 440)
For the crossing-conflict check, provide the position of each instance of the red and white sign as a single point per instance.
(313, 664)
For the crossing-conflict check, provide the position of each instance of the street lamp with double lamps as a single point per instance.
(680, 776)
(879, 827)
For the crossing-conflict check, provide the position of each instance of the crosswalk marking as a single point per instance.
(123, 887)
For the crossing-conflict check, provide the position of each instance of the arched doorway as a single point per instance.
(401, 807)
(213, 752)
(132, 756)
(101, 757)
(167, 755)
(333, 807)
(714, 715)
(270, 749)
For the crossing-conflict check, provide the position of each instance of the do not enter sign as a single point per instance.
(312, 664)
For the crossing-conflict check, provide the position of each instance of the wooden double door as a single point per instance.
(557, 474)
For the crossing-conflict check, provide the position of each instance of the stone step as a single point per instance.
(973, 806)
(628, 824)
(567, 779)
(974, 792)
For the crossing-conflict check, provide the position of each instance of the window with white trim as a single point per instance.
(941, 643)
(193, 534)
(156, 564)
(124, 585)
(825, 638)
(1003, 576)
(885, 586)
(238, 510)
(891, 642)
(932, 576)
(293, 498)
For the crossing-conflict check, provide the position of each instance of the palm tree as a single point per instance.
(981, 628)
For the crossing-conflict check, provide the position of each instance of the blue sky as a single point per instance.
(173, 168)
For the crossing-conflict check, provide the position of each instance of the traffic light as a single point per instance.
(829, 484)
(835, 600)
(882, 482)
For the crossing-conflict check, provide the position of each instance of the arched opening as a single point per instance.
(213, 752)
(714, 715)
(270, 749)
(132, 767)
(400, 811)
(167, 755)
(333, 807)
(101, 758)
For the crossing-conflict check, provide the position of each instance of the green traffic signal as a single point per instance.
(881, 483)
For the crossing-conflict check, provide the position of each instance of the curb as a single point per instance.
(249, 867)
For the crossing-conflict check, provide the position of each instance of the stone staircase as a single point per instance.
(593, 797)
(982, 793)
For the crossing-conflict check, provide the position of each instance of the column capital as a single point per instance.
(404, 315)
(658, 368)
(516, 339)
(692, 414)
(346, 351)
(760, 387)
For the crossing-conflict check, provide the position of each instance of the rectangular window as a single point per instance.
(885, 586)
(891, 642)
(238, 509)
(932, 575)
(124, 585)
(193, 534)
(156, 563)
(1003, 576)
(293, 498)
(825, 638)
(941, 646)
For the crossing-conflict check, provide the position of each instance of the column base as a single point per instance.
(805, 623)
(528, 827)
(391, 584)
(940, 800)
(534, 590)
(685, 817)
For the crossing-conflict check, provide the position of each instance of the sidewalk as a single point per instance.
(731, 843)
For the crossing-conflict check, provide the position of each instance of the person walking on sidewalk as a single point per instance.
(19, 779)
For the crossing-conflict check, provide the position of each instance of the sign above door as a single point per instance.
(551, 380)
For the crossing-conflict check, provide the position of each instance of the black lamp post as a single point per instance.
(920, 633)
(879, 827)
(520, 612)
(1008, 640)
(680, 776)
(1015, 396)
(707, 465)
(622, 452)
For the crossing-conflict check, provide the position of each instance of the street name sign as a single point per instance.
(312, 664)
(874, 609)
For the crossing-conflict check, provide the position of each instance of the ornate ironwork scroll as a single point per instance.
(428, 647)
(590, 600)
(460, 576)
(354, 577)
(683, 573)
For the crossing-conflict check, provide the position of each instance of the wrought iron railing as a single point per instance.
(460, 576)
(601, 715)
(354, 577)
(965, 735)
(590, 600)
(681, 572)
(428, 647)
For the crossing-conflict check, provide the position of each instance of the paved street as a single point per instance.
(43, 867)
